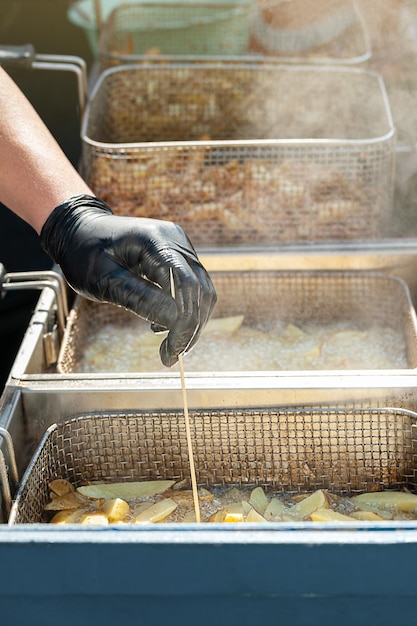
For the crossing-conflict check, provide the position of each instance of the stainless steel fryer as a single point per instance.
(346, 450)
(265, 298)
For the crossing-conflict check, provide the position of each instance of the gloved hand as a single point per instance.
(127, 261)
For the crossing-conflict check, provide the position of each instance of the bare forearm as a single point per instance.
(35, 174)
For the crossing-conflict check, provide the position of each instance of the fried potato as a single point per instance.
(116, 510)
(61, 486)
(258, 500)
(367, 516)
(329, 515)
(68, 516)
(224, 324)
(126, 491)
(254, 516)
(391, 500)
(94, 518)
(156, 512)
(71, 500)
(277, 511)
(233, 517)
(304, 509)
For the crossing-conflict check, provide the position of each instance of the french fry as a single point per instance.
(126, 491)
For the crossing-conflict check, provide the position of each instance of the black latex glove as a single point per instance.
(127, 261)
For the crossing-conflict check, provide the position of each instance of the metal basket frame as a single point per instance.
(345, 450)
(237, 191)
(364, 298)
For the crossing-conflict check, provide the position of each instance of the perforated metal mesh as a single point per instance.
(244, 155)
(361, 298)
(313, 31)
(287, 450)
(211, 28)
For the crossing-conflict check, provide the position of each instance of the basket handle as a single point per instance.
(25, 56)
(17, 55)
(14, 281)
(4, 474)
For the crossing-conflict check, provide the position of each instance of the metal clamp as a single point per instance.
(25, 56)
(5, 475)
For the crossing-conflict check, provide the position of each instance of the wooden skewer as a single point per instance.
(187, 421)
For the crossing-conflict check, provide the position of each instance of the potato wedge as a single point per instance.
(304, 509)
(140, 507)
(234, 508)
(254, 516)
(258, 500)
(366, 516)
(94, 518)
(223, 324)
(246, 507)
(391, 500)
(183, 498)
(69, 501)
(233, 517)
(277, 510)
(329, 515)
(218, 516)
(294, 332)
(68, 516)
(155, 513)
(116, 510)
(61, 486)
(126, 491)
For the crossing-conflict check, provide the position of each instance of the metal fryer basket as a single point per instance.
(269, 297)
(289, 450)
(310, 31)
(155, 28)
(242, 154)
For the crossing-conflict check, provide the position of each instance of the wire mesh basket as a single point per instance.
(345, 450)
(175, 28)
(331, 31)
(292, 320)
(240, 155)
(311, 31)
